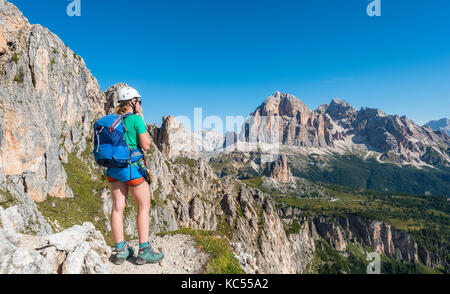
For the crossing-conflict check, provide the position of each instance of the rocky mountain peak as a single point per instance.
(112, 96)
(282, 104)
(279, 169)
(287, 117)
(12, 18)
(339, 109)
(371, 112)
(173, 139)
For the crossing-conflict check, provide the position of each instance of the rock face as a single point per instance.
(39, 74)
(173, 139)
(339, 109)
(259, 238)
(378, 235)
(30, 216)
(278, 170)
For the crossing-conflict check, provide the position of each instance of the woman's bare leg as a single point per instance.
(119, 191)
(141, 195)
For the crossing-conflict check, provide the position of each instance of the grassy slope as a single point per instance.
(86, 206)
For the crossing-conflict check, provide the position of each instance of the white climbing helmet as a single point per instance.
(128, 93)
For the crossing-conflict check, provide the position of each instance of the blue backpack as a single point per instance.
(110, 148)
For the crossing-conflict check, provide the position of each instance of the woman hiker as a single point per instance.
(133, 178)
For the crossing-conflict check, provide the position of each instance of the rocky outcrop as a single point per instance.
(381, 237)
(341, 112)
(78, 250)
(14, 260)
(278, 170)
(259, 237)
(29, 214)
(173, 139)
(112, 96)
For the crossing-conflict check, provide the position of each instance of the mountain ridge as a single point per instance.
(285, 120)
(337, 121)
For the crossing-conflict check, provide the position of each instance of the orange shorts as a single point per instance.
(135, 182)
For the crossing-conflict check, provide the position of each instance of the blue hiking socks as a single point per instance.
(142, 245)
(120, 245)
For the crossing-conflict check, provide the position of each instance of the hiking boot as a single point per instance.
(123, 254)
(147, 255)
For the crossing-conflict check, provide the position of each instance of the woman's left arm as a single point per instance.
(144, 141)
(144, 136)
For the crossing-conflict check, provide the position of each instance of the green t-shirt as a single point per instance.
(135, 126)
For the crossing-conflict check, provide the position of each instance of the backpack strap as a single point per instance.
(127, 114)
(125, 129)
(115, 124)
(124, 117)
(133, 152)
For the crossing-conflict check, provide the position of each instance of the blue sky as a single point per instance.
(228, 56)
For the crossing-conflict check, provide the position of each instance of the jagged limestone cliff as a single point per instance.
(48, 100)
(381, 237)
(41, 75)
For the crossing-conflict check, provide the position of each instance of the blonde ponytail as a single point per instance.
(122, 108)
